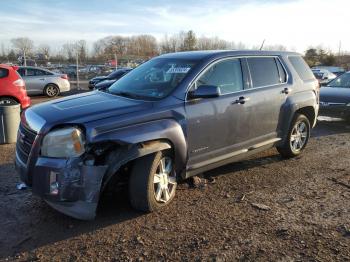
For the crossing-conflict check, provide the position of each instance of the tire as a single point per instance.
(7, 101)
(145, 193)
(51, 90)
(298, 136)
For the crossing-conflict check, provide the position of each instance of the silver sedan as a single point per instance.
(42, 81)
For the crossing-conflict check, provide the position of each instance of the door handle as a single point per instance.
(286, 90)
(42, 79)
(241, 100)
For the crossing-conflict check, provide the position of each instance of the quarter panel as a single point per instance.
(295, 102)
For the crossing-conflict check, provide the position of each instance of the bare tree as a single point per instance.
(81, 50)
(68, 49)
(212, 43)
(24, 45)
(143, 45)
(189, 41)
(44, 50)
(3, 53)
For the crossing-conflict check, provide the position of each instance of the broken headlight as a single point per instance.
(63, 143)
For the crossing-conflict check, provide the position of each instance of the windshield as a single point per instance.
(154, 79)
(341, 81)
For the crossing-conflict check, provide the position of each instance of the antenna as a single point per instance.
(262, 45)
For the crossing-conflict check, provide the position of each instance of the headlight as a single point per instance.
(348, 104)
(63, 143)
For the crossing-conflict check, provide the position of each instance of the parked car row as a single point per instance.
(85, 72)
(102, 82)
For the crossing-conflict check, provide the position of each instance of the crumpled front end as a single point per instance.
(70, 186)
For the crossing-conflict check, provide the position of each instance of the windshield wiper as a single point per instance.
(129, 95)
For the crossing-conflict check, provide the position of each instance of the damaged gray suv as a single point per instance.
(171, 118)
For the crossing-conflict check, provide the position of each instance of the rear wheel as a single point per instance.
(5, 101)
(153, 182)
(51, 90)
(298, 136)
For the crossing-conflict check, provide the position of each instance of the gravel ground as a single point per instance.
(262, 209)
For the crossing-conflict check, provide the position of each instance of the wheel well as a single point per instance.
(11, 97)
(309, 112)
(51, 84)
(119, 176)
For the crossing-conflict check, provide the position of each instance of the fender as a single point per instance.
(131, 137)
(295, 102)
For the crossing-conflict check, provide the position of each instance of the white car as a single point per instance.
(42, 81)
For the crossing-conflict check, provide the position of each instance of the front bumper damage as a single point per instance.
(67, 185)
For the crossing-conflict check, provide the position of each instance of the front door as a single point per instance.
(212, 121)
(34, 80)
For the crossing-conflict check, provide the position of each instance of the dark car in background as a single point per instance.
(171, 118)
(333, 69)
(335, 97)
(107, 81)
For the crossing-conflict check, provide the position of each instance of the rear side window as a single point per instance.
(4, 72)
(301, 67)
(30, 72)
(39, 72)
(264, 71)
(227, 75)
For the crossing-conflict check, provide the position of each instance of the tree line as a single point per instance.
(142, 47)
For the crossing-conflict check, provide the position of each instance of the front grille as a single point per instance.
(25, 142)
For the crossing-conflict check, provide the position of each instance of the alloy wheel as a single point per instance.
(298, 136)
(52, 91)
(164, 180)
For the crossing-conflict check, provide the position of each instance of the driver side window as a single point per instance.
(227, 75)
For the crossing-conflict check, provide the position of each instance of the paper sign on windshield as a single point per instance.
(178, 70)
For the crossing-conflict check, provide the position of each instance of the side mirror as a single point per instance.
(205, 91)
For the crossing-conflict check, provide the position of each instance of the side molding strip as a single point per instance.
(233, 154)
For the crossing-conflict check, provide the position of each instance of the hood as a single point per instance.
(335, 95)
(98, 78)
(86, 107)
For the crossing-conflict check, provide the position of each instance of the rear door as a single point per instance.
(267, 92)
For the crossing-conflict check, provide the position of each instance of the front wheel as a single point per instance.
(153, 182)
(298, 136)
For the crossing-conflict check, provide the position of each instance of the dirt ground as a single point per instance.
(262, 209)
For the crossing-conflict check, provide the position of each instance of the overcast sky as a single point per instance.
(296, 24)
